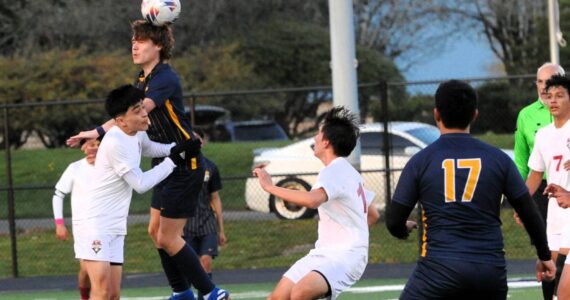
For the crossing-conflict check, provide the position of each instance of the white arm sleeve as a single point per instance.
(57, 204)
(154, 149)
(142, 182)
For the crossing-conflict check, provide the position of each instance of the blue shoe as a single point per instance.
(186, 295)
(218, 294)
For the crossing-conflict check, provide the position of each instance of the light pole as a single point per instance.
(343, 62)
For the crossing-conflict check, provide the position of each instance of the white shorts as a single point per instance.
(559, 240)
(105, 247)
(340, 269)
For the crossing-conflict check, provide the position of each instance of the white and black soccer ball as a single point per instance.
(160, 12)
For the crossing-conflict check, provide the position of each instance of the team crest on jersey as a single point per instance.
(96, 246)
(207, 176)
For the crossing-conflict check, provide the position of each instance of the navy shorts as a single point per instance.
(454, 279)
(204, 245)
(177, 196)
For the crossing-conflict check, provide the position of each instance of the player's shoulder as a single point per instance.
(166, 73)
(74, 166)
(339, 166)
(489, 151)
(210, 164)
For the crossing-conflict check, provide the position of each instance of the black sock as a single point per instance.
(174, 276)
(200, 295)
(189, 264)
(559, 267)
(548, 289)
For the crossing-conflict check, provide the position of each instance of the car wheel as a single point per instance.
(288, 210)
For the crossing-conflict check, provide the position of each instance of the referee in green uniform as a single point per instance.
(530, 119)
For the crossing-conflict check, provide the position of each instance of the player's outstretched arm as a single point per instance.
(142, 182)
(311, 199)
(89, 134)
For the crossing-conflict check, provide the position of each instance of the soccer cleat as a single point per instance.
(218, 294)
(186, 295)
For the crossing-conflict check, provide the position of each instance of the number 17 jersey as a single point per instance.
(459, 181)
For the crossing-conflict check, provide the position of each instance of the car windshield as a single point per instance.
(259, 133)
(427, 135)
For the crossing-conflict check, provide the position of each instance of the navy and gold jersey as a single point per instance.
(169, 123)
(459, 182)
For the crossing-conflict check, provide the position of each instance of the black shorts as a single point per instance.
(204, 245)
(454, 279)
(177, 196)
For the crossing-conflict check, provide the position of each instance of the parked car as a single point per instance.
(254, 130)
(285, 164)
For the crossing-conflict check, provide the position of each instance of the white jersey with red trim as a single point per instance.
(343, 217)
(551, 151)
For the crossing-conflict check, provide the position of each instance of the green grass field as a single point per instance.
(251, 245)
(365, 289)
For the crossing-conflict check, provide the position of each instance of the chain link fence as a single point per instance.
(262, 231)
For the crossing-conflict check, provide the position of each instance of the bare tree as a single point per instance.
(515, 30)
(406, 30)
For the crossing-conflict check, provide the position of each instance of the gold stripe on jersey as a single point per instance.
(424, 234)
(175, 119)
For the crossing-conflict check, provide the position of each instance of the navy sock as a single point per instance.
(189, 264)
(174, 276)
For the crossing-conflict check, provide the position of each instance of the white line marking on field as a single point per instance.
(517, 284)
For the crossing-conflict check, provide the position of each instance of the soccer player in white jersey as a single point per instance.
(341, 251)
(117, 172)
(551, 152)
(75, 180)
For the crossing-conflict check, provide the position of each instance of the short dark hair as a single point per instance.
(120, 99)
(340, 128)
(456, 102)
(558, 80)
(159, 35)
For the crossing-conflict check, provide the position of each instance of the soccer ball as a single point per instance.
(160, 12)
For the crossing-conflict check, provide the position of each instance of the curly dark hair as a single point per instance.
(558, 80)
(159, 35)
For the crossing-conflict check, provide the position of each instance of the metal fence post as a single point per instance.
(10, 194)
(386, 137)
